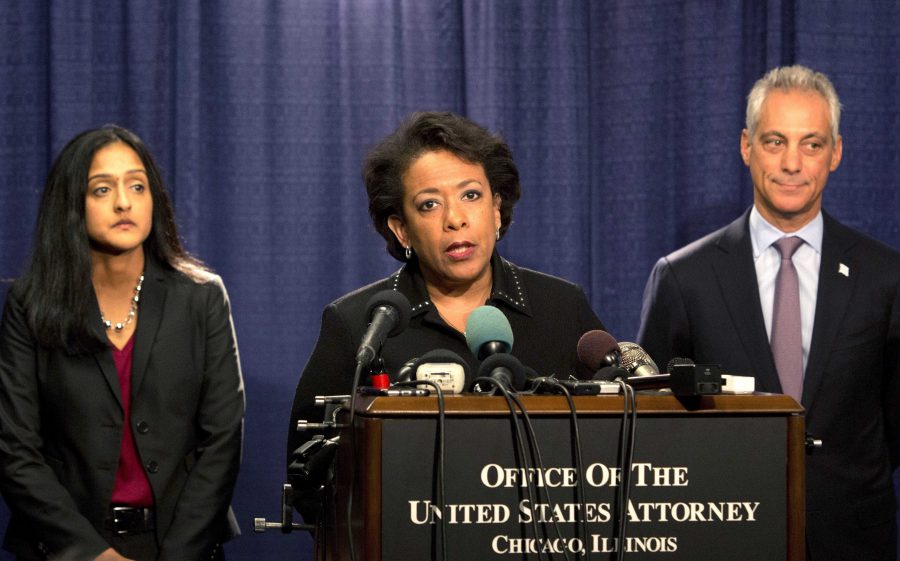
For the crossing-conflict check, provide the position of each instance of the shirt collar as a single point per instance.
(763, 234)
(507, 286)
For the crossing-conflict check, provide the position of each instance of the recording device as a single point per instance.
(598, 349)
(449, 376)
(445, 368)
(441, 366)
(636, 360)
(696, 379)
(388, 312)
(700, 379)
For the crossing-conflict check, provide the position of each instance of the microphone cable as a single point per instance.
(536, 455)
(518, 443)
(626, 453)
(579, 464)
(353, 446)
(439, 476)
(581, 496)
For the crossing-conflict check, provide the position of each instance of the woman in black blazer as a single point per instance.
(121, 398)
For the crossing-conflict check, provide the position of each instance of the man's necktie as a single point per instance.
(787, 346)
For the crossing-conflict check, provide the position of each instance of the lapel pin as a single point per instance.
(844, 270)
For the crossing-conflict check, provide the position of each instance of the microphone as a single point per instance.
(505, 370)
(659, 381)
(388, 312)
(445, 368)
(488, 332)
(598, 349)
(636, 360)
(490, 338)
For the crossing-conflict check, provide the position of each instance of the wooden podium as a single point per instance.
(719, 477)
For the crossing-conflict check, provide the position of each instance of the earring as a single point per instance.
(408, 253)
(498, 234)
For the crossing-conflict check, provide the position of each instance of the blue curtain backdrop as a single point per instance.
(624, 116)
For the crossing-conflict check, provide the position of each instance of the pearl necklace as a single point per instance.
(131, 311)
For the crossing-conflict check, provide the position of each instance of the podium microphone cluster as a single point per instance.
(613, 361)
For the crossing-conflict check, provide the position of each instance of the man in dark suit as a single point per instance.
(821, 323)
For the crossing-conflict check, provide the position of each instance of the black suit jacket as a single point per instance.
(547, 315)
(61, 424)
(702, 302)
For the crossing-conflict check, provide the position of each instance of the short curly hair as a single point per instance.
(421, 132)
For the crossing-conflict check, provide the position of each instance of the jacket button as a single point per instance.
(152, 466)
(143, 427)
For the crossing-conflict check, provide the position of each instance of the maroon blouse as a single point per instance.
(132, 487)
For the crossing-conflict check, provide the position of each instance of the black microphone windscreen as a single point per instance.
(593, 348)
(395, 300)
(507, 363)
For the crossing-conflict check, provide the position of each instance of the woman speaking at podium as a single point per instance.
(441, 192)
(121, 399)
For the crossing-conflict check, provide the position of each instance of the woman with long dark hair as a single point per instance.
(121, 397)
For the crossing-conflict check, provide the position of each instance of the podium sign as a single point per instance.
(720, 481)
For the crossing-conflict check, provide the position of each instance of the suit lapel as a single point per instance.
(104, 358)
(735, 273)
(836, 282)
(152, 302)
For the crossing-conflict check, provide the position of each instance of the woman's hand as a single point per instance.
(111, 555)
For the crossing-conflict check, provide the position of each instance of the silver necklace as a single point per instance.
(131, 311)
